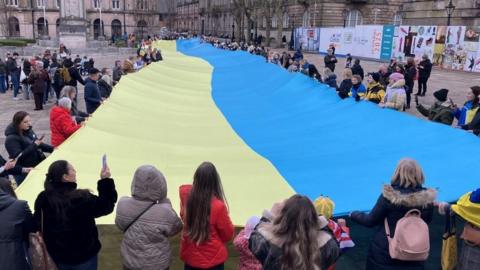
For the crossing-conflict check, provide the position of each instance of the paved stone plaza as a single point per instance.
(457, 82)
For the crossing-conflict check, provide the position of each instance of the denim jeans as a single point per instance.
(26, 91)
(91, 264)
(15, 84)
(3, 86)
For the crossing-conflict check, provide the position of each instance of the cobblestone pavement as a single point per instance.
(457, 82)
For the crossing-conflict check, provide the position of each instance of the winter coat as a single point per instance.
(466, 113)
(38, 81)
(358, 70)
(474, 124)
(267, 247)
(27, 67)
(16, 224)
(410, 73)
(358, 91)
(12, 67)
(246, 259)
(17, 170)
(440, 112)
(79, 115)
(92, 95)
(117, 74)
(331, 81)
(75, 77)
(393, 204)
(384, 79)
(395, 97)
(3, 68)
(74, 238)
(213, 251)
(104, 88)
(145, 244)
(344, 88)
(424, 73)
(330, 61)
(62, 125)
(32, 154)
(375, 92)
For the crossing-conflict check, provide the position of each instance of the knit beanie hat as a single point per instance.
(396, 76)
(375, 76)
(475, 196)
(250, 226)
(441, 95)
(324, 207)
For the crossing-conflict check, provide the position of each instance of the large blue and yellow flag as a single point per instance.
(269, 132)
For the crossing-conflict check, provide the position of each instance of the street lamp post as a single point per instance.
(344, 14)
(233, 32)
(450, 8)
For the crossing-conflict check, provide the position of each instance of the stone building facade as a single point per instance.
(41, 18)
(220, 17)
(433, 12)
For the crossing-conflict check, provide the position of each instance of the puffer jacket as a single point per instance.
(62, 125)
(393, 204)
(440, 112)
(396, 97)
(212, 252)
(266, 247)
(375, 92)
(145, 245)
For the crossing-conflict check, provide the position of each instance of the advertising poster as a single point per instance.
(455, 53)
(471, 42)
(340, 38)
(307, 39)
(440, 40)
(399, 42)
(387, 42)
(423, 42)
(367, 41)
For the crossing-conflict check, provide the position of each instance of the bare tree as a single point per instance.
(4, 30)
(281, 9)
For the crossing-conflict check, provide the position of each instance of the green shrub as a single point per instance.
(120, 43)
(13, 42)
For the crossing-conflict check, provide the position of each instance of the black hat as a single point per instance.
(93, 71)
(375, 76)
(441, 95)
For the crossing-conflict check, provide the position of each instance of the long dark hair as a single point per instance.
(476, 92)
(6, 186)
(206, 185)
(17, 120)
(297, 226)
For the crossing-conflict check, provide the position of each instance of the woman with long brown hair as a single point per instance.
(207, 225)
(292, 236)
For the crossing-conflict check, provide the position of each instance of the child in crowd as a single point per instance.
(358, 90)
(246, 259)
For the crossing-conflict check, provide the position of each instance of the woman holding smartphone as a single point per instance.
(23, 144)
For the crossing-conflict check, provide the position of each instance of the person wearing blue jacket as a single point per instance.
(358, 90)
(469, 109)
(93, 99)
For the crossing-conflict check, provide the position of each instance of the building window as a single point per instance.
(274, 21)
(142, 4)
(354, 18)
(96, 3)
(13, 3)
(57, 3)
(97, 28)
(264, 22)
(40, 3)
(116, 28)
(142, 29)
(306, 19)
(116, 4)
(286, 20)
(397, 20)
(42, 27)
(13, 27)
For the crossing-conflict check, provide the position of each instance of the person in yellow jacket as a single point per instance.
(375, 91)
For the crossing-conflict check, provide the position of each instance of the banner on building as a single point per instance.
(387, 42)
(307, 39)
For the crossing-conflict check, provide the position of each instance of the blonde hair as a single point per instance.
(408, 174)
(327, 73)
(67, 91)
(347, 73)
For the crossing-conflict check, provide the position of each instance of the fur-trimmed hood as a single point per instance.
(422, 197)
(398, 84)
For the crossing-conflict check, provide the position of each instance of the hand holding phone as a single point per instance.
(104, 162)
(105, 173)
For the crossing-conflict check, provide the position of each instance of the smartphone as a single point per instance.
(104, 162)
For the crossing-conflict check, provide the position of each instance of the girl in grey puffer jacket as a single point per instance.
(148, 220)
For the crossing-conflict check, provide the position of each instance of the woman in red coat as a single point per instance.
(62, 124)
(207, 225)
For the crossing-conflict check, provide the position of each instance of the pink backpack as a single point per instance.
(411, 241)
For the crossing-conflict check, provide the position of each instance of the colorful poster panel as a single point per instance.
(401, 34)
(455, 54)
(439, 48)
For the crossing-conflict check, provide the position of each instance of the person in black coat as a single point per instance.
(403, 194)
(357, 69)
(410, 74)
(330, 60)
(23, 144)
(346, 84)
(93, 99)
(15, 227)
(74, 74)
(424, 71)
(69, 214)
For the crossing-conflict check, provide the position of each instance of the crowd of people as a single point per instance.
(296, 233)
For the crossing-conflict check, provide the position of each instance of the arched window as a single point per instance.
(13, 27)
(98, 29)
(42, 27)
(306, 19)
(142, 28)
(397, 19)
(354, 18)
(274, 21)
(286, 20)
(264, 22)
(116, 28)
(57, 25)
